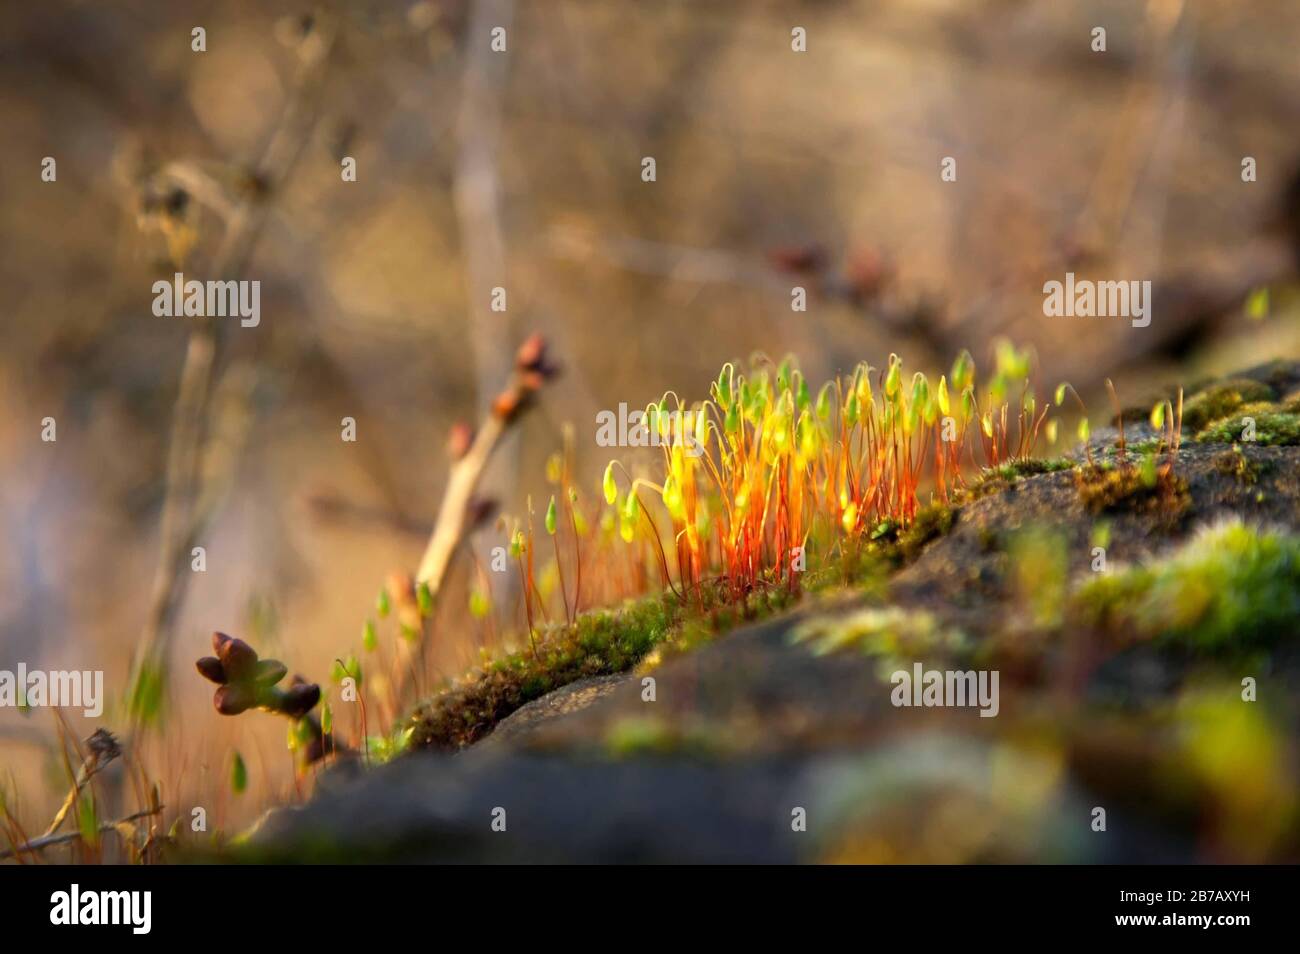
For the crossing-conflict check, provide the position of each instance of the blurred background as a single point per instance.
(523, 170)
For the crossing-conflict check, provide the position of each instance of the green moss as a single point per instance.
(993, 479)
(1234, 463)
(890, 633)
(599, 643)
(1030, 466)
(1231, 587)
(1039, 565)
(1272, 427)
(1221, 399)
(895, 545)
(636, 735)
(1150, 445)
(1144, 487)
(931, 523)
(651, 735)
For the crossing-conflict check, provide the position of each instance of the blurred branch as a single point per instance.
(678, 262)
(1128, 151)
(461, 510)
(328, 505)
(476, 190)
(187, 504)
(864, 280)
(455, 514)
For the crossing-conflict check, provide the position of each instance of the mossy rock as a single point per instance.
(1149, 485)
(1221, 399)
(1270, 426)
(1232, 588)
(1119, 686)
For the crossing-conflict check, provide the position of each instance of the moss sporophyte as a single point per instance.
(763, 471)
(760, 490)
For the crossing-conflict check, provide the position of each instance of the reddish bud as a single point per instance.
(506, 405)
(867, 272)
(532, 353)
(238, 659)
(459, 440)
(209, 668)
(300, 698)
(532, 380)
(799, 259)
(234, 698)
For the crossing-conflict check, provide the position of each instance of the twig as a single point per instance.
(182, 518)
(454, 515)
(49, 841)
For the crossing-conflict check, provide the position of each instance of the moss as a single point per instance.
(1232, 587)
(994, 479)
(1220, 400)
(598, 644)
(1039, 565)
(1234, 463)
(1145, 487)
(1150, 445)
(1272, 427)
(931, 523)
(890, 633)
(632, 736)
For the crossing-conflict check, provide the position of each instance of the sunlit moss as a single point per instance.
(1240, 756)
(1220, 400)
(598, 643)
(1231, 587)
(1145, 485)
(1271, 427)
(763, 467)
(890, 633)
(993, 479)
(1039, 568)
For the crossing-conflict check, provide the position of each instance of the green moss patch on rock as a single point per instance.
(1221, 399)
(1147, 486)
(1234, 463)
(888, 632)
(1271, 427)
(1231, 587)
(893, 545)
(599, 643)
(994, 479)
